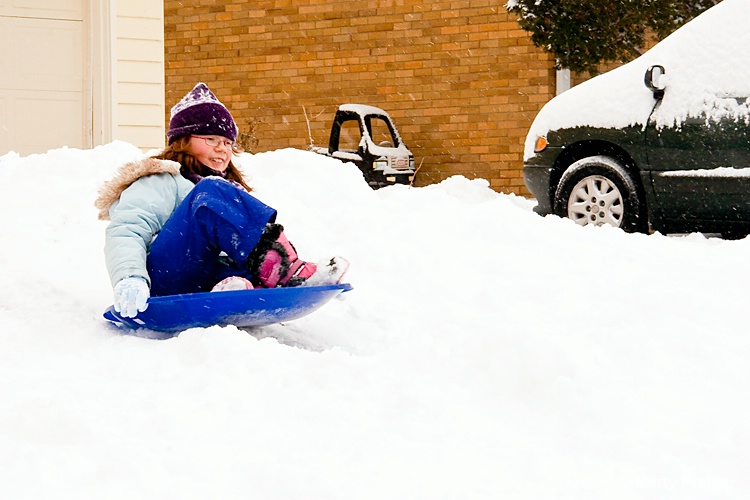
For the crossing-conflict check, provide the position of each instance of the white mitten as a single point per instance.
(131, 296)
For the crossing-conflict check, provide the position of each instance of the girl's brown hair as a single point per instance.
(178, 151)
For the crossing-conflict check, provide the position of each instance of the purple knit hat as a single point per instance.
(200, 113)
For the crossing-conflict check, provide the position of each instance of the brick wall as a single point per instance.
(460, 79)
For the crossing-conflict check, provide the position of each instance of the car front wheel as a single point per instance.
(599, 190)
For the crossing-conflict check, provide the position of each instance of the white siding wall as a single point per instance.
(138, 92)
(81, 73)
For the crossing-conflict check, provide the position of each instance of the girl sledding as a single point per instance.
(185, 221)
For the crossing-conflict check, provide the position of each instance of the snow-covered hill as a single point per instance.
(485, 352)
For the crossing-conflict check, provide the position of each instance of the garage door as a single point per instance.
(41, 75)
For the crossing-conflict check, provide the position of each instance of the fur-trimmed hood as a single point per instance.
(126, 175)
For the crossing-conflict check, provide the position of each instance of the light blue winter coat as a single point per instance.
(138, 201)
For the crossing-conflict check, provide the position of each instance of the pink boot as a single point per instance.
(274, 261)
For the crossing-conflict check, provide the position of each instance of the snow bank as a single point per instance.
(485, 352)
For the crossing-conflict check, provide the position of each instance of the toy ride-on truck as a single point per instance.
(366, 136)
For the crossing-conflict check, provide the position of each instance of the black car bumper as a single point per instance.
(537, 178)
(377, 179)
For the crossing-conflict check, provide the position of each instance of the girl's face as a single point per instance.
(213, 151)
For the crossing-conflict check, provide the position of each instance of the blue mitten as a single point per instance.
(131, 296)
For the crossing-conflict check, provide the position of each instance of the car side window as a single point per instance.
(380, 132)
(350, 136)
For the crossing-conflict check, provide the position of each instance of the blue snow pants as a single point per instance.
(207, 238)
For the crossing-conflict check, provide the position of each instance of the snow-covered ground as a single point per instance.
(485, 352)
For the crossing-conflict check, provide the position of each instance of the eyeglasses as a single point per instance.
(215, 141)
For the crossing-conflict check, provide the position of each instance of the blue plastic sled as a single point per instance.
(242, 308)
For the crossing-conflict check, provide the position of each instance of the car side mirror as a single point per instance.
(654, 80)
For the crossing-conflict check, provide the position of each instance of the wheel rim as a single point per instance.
(596, 200)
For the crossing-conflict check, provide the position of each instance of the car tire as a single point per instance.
(599, 190)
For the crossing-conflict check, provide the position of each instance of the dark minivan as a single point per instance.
(672, 155)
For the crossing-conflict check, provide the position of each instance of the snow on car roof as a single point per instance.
(706, 68)
(364, 110)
